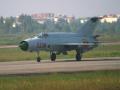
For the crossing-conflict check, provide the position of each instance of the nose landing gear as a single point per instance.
(38, 57)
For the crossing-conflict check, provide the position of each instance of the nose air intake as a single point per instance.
(24, 45)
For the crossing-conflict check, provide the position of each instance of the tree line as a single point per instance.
(25, 24)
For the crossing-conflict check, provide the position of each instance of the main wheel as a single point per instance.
(53, 57)
(78, 57)
(38, 59)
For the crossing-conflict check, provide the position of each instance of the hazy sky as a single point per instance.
(68, 7)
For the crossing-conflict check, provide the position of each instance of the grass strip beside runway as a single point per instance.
(98, 80)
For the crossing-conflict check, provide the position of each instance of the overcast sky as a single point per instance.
(82, 8)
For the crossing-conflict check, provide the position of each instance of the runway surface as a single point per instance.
(8, 46)
(32, 67)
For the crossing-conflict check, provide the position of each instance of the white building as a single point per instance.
(109, 19)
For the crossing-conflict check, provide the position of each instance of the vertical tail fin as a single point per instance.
(88, 28)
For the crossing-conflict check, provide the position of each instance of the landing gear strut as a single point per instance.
(53, 56)
(38, 57)
(78, 55)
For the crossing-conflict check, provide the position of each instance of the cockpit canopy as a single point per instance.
(43, 35)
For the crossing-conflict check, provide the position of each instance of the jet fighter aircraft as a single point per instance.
(62, 42)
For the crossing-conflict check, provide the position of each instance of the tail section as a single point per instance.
(88, 28)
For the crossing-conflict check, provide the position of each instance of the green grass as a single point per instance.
(110, 37)
(98, 80)
(13, 39)
(15, 54)
(8, 39)
(104, 51)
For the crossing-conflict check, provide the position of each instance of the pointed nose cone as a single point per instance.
(24, 45)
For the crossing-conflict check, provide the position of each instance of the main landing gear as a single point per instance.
(53, 56)
(78, 55)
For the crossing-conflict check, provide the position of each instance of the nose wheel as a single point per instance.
(38, 57)
(78, 57)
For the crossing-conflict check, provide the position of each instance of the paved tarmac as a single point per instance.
(8, 46)
(45, 66)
